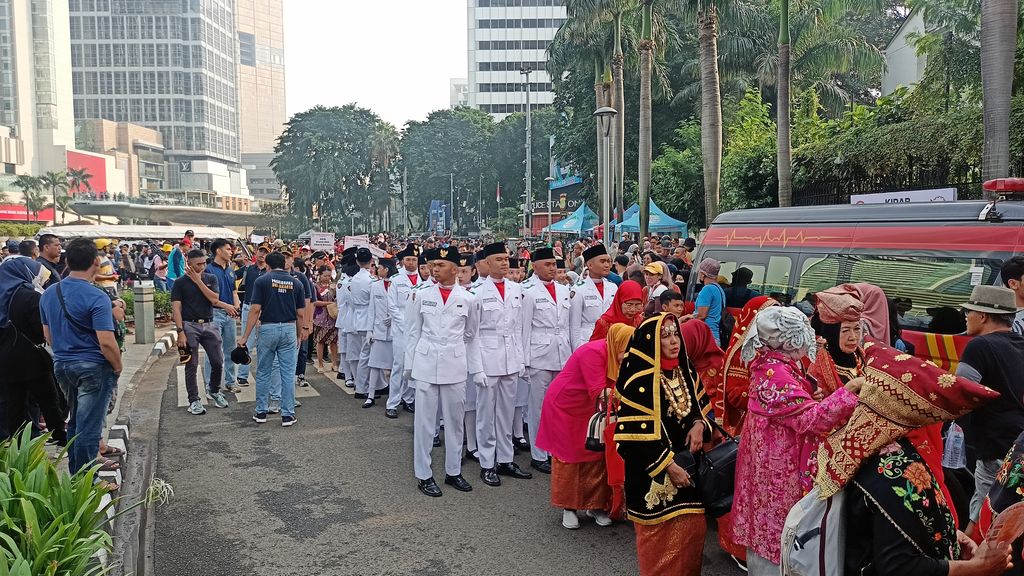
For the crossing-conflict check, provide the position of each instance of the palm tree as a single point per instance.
(56, 183)
(28, 185)
(384, 152)
(646, 58)
(784, 143)
(63, 202)
(998, 49)
(78, 178)
(35, 202)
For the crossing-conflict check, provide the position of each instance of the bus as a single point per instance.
(926, 257)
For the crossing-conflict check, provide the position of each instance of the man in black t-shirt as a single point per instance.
(249, 276)
(993, 358)
(277, 302)
(193, 299)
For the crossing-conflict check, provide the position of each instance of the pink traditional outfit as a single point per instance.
(783, 428)
(578, 477)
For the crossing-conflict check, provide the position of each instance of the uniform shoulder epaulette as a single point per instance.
(393, 276)
(526, 285)
(579, 282)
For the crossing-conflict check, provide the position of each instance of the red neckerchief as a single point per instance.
(387, 284)
(445, 292)
(500, 285)
(414, 278)
(669, 364)
(600, 288)
(551, 290)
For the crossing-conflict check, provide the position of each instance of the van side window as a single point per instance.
(769, 275)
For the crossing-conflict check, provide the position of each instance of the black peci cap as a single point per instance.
(364, 256)
(542, 254)
(422, 259)
(513, 262)
(410, 250)
(594, 251)
(495, 248)
(466, 259)
(560, 263)
(448, 254)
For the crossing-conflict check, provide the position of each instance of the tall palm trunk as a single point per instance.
(619, 145)
(784, 140)
(644, 168)
(998, 46)
(710, 109)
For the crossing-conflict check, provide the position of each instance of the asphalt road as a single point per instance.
(335, 495)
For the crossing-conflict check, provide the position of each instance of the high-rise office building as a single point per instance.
(458, 89)
(169, 65)
(261, 92)
(506, 37)
(35, 82)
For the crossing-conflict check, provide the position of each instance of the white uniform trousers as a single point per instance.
(495, 405)
(400, 389)
(450, 398)
(539, 382)
(361, 365)
(352, 345)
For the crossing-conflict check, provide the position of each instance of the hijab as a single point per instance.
(617, 341)
(629, 290)
(17, 273)
(704, 353)
(737, 376)
(781, 328)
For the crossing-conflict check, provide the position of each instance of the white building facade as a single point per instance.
(903, 65)
(504, 38)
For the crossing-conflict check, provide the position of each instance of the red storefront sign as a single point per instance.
(16, 212)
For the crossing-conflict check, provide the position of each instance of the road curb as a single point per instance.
(135, 430)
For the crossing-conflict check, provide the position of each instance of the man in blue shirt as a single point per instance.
(278, 302)
(78, 323)
(711, 300)
(224, 318)
(252, 273)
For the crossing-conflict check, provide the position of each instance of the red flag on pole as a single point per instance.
(497, 197)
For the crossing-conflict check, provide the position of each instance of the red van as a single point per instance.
(925, 256)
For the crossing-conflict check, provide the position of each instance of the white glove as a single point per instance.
(524, 373)
(480, 379)
(407, 374)
(369, 338)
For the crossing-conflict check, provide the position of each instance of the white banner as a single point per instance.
(322, 241)
(363, 241)
(906, 197)
(256, 239)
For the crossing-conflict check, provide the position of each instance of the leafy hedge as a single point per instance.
(161, 298)
(19, 230)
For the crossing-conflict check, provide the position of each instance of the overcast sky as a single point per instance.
(394, 57)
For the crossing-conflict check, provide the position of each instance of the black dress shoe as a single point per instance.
(473, 455)
(429, 487)
(409, 407)
(391, 413)
(360, 396)
(437, 441)
(458, 482)
(541, 466)
(520, 443)
(489, 477)
(383, 391)
(512, 469)
(369, 403)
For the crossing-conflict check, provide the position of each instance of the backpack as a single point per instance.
(814, 536)
(726, 324)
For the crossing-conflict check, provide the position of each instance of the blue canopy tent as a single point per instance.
(578, 222)
(660, 222)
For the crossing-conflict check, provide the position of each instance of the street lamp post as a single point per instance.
(528, 206)
(605, 116)
(451, 190)
(549, 180)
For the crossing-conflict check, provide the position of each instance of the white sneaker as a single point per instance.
(196, 408)
(570, 520)
(600, 518)
(219, 400)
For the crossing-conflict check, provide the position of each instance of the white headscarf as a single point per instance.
(782, 328)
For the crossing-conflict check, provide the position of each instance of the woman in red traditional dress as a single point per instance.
(627, 308)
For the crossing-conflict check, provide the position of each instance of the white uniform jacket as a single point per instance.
(501, 322)
(379, 311)
(344, 320)
(587, 307)
(441, 339)
(545, 326)
(398, 297)
(359, 300)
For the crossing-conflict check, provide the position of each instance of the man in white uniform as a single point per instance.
(400, 392)
(359, 300)
(347, 269)
(501, 348)
(381, 351)
(545, 341)
(591, 296)
(441, 348)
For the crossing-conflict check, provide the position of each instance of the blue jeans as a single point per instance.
(160, 284)
(229, 337)
(87, 386)
(254, 340)
(300, 364)
(276, 356)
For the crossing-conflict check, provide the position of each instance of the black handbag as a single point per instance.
(595, 428)
(717, 475)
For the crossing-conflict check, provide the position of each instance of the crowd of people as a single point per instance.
(587, 359)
